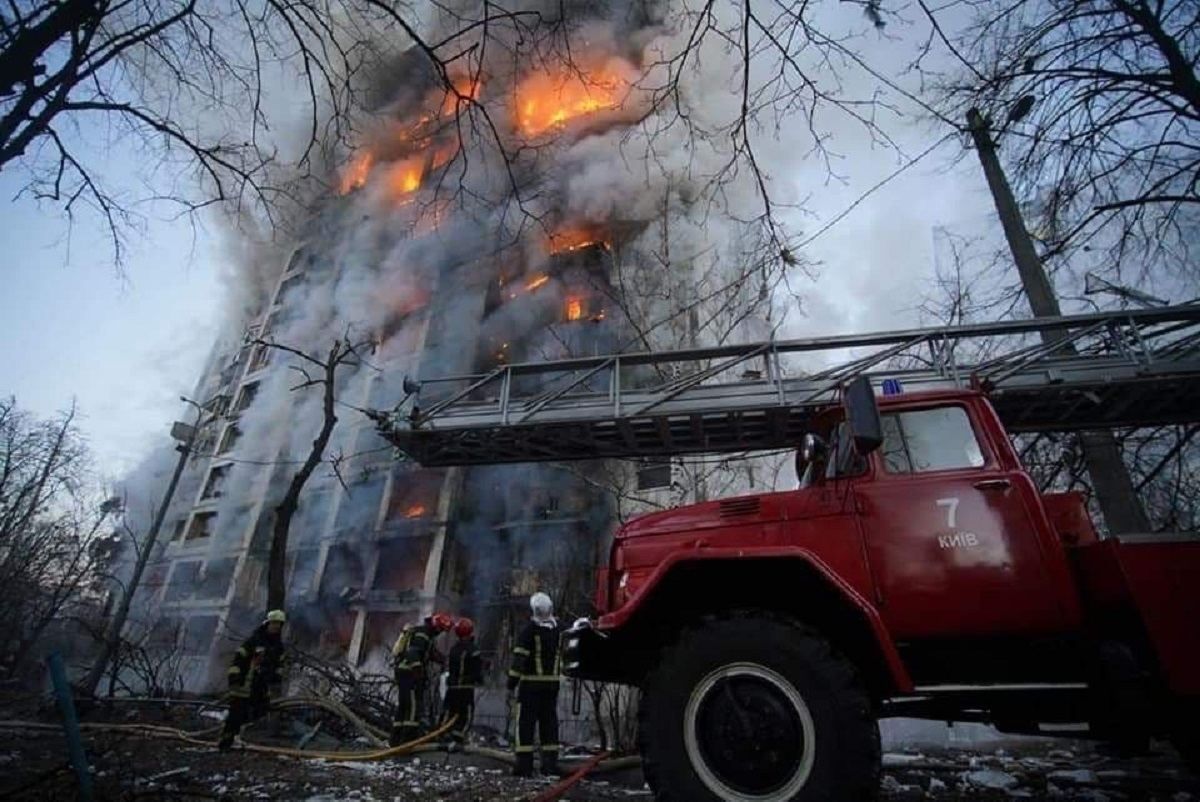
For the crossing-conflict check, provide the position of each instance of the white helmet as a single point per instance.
(541, 605)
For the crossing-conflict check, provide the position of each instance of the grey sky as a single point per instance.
(71, 328)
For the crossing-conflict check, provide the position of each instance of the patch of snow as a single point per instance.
(991, 778)
(1078, 776)
(896, 759)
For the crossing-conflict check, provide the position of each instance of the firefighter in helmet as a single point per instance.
(411, 655)
(255, 675)
(534, 678)
(464, 668)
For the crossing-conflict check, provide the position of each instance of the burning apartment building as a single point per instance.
(497, 211)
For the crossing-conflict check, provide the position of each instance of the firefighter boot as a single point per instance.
(523, 767)
(550, 764)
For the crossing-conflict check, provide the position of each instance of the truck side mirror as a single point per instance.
(862, 415)
(812, 448)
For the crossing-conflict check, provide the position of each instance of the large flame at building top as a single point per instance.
(546, 101)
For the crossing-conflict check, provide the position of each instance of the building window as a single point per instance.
(414, 494)
(183, 580)
(929, 440)
(259, 357)
(246, 396)
(203, 525)
(214, 487)
(198, 634)
(229, 439)
(215, 578)
(164, 634)
(653, 474)
(177, 531)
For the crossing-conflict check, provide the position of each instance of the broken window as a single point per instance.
(217, 405)
(215, 578)
(246, 396)
(216, 482)
(302, 567)
(183, 580)
(380, 634)
(202, 525)
(259, 357)
(344, 573)
(653, 474)
(400, 568)
(198, 634)
(229, 438)
(414, 494)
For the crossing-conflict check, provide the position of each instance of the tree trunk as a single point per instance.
(277, 561)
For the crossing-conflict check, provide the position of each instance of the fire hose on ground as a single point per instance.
(598, 763)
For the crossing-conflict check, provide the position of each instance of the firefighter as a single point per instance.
(464, 673)
(411, 655)
(255, 675)
(534, 679)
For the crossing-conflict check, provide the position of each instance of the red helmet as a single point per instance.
(465, 628)
(441, 622)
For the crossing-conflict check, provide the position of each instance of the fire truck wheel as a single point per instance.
(751, 708)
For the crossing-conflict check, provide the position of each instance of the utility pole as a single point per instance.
(185, 435)
(1114, 488)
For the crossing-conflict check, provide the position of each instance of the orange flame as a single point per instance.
(536, 282)
(355, 174)
(405, 176)
(415, 511)
(546, 102)
(574, 308)
(576, 237)
(466, 89)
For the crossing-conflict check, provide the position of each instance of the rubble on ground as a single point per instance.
(134, 766)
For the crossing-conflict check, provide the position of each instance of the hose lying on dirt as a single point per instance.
(373, 734)
(190, 737)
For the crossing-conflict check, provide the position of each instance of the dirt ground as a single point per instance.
(136, 767)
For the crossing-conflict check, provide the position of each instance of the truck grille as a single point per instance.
(739, 507)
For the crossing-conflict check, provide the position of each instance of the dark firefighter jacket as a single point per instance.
(464, 665)
(536, 656)
(414, 648)
(257, 665)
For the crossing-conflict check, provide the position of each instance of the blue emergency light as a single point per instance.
(892, 387)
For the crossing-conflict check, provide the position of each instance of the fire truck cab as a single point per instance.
(917, 571)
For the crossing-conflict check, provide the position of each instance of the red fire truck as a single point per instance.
(916, 571)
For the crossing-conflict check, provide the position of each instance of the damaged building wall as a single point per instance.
(453, 282)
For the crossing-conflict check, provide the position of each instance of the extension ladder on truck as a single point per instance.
(1118, 369)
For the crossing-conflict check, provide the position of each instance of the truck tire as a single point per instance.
(754, 708)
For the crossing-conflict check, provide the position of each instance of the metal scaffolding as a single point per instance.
(1123, 369)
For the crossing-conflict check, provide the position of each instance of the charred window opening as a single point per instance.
(246, 397)
(229, 439)
(203, 525)
(260, 357)
(183, 580)
(414, 495)
(217, 405)
(400, 570)
(215, 486)
(215, 578)
(178, 528)
(380, 633)
(344, 573)
(302, 568)
(198, 634)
